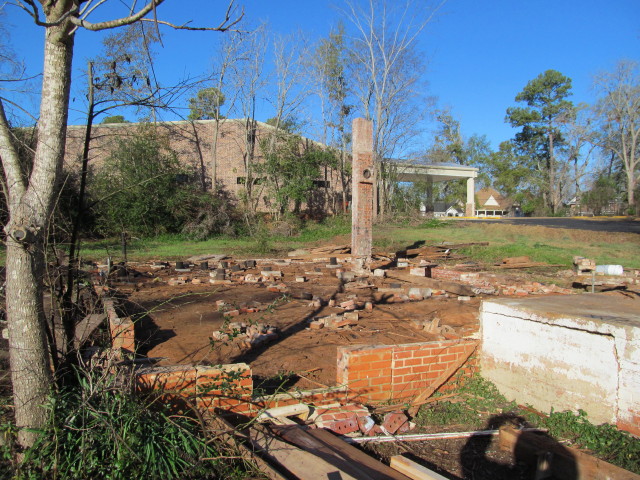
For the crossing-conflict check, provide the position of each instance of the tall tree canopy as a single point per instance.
(206, 104)
(541, 121)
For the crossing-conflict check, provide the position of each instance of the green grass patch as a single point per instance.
(171, 247)
(541, 244)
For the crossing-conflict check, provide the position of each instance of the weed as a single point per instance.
(98, 429)
(478, 400)
(605, 440)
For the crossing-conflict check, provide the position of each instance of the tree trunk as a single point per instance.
(552, 176)
(631, 185)
(30, 210)
(30, 371)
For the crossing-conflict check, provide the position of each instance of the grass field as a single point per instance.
(541, 244)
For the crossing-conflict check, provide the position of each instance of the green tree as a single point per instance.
(604, 190)
(138, 187)
(290, 125)
(114, 119)
(291, 168)
(541, 121)
(206, 104)
(329, 66)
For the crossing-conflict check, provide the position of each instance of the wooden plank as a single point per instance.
(244, 451)
(298, 409)
(566, 462)
(86, 327)
(334, 450)
(528, 265)
(298, 463)
(437, 383)
(413, 470)
(512, 260)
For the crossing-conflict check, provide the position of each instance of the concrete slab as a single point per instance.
(566, 352)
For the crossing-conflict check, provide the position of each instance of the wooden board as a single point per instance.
(244, 451)
(347, 458)
(566, 462)
(413, 470)
(527, 265)
(86, 327)
(297, 462)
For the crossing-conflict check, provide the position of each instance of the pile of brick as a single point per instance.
(583, 264)
(232, 310)
(432, 325)
(335, 321)
(353, 418)
(533, 288)
(247, 335)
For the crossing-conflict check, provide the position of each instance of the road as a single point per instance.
(613, 225)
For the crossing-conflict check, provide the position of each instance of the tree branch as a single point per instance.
(15, 186)
(225, 25)
(119, 22)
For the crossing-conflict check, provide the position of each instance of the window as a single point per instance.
(321, 183)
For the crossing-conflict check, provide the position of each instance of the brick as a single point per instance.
(393, 421)
(418, 271)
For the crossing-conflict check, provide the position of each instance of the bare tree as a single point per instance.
(328, 68)
(386, 70)
(290, 89)
(247, 79)
(619, 116)
(228, 55)
(580, 145)
(31, 200)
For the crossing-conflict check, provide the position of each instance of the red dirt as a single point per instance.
(181, 319)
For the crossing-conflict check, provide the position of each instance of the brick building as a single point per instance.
(195, 143)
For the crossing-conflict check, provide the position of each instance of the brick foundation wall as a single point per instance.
(225, 387)
(399, 372)
(121, 329)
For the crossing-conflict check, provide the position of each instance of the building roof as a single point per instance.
(489, 198)
(443, 206)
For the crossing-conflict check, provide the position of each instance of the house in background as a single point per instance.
(490, 203)
(444, 209)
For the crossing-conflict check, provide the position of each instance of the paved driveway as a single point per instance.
(617, 225)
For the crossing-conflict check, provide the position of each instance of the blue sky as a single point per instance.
(480, 54)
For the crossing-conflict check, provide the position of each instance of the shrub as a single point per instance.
(138, 187)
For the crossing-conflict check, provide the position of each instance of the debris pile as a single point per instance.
(247, 335)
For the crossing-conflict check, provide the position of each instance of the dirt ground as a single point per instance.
(178, 325)
(178, 321)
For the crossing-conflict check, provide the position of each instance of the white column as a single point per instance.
(470, 211)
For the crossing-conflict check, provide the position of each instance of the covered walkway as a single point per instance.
(440, 172)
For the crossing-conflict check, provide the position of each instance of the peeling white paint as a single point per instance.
(566, 353)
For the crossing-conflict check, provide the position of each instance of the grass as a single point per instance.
(482, 404)
(541, 244)
(172, 247)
